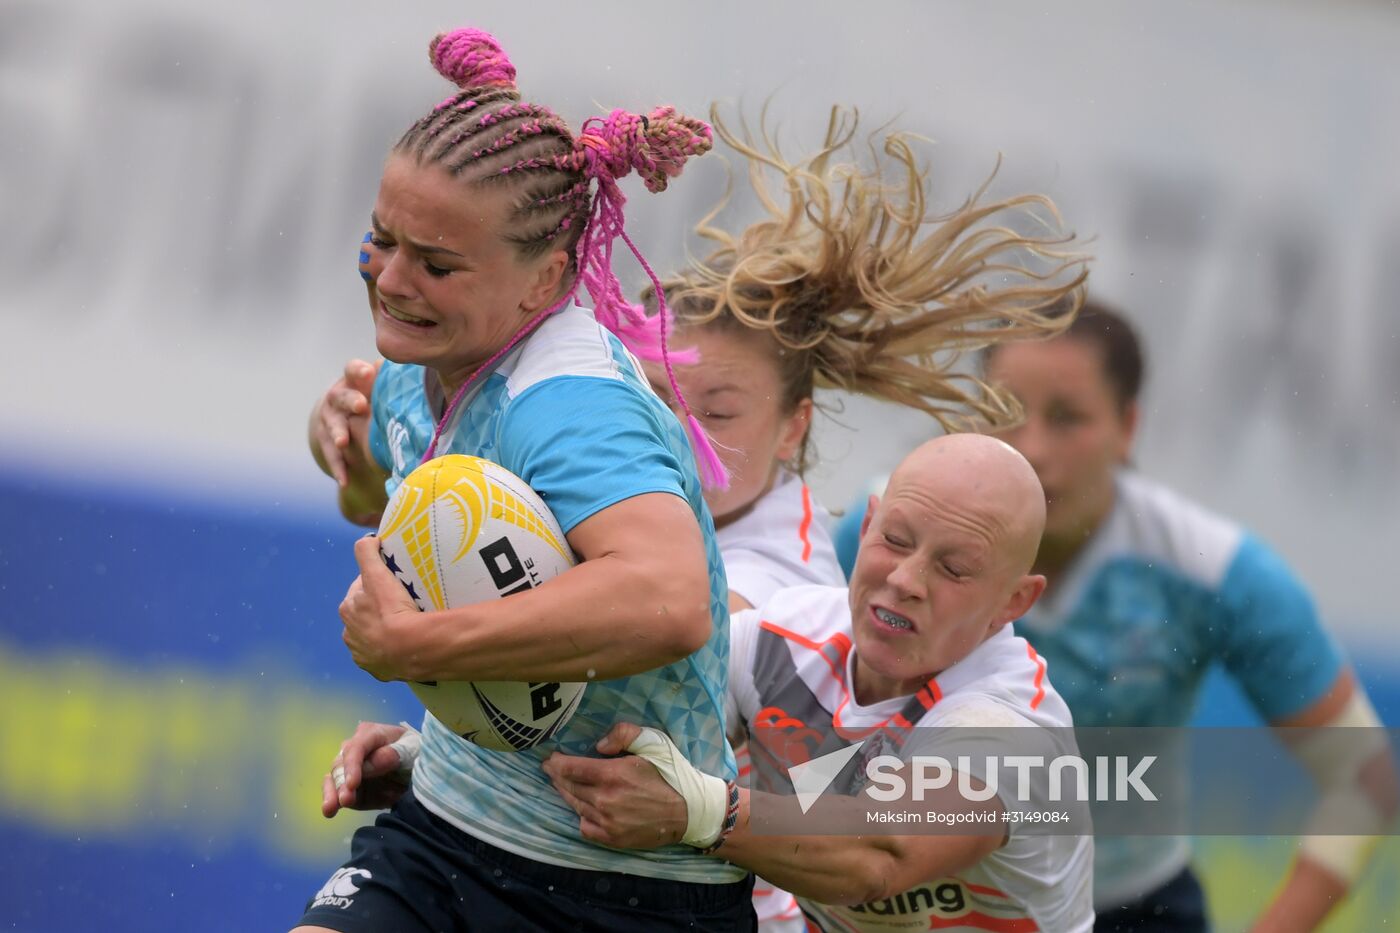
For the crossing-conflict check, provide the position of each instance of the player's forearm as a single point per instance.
(829, 869)
(1341, 743)
(1306, 898)
(600, 620)
(844, 869)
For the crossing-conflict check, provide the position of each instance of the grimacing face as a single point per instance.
(1076, 431)
(933, 579)
(736, 392)
(447, 288)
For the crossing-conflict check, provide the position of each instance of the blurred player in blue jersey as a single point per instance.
(1147, 590)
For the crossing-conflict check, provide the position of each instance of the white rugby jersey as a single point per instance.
(792, 657)
(781, 541)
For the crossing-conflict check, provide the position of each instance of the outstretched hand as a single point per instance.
(621, 802)
(368, 774)
(340, 421)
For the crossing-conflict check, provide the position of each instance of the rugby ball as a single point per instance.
(461, 530)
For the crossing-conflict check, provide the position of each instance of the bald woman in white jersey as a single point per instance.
(922, 637)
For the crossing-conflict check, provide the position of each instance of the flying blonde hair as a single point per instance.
(860, 289)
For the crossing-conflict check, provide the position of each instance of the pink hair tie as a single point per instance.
(657, 147)
(602, 159)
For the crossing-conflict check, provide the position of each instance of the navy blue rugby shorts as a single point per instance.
(413, 872)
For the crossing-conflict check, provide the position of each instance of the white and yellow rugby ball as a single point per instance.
(462, 530)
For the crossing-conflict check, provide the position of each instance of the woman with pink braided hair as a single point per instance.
(846, 282)
(491, 217)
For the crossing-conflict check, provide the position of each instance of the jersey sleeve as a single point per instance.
(379, 417)
(1274, 644)
(750, 575)
(743, 700)
(757, 574)
(585, 443)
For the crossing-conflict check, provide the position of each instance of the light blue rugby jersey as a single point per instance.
(1163, 590)
(570, 413)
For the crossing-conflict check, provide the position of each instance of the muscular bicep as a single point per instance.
(655, 553)
(656, 530)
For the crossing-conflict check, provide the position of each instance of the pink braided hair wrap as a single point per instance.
(609, 148)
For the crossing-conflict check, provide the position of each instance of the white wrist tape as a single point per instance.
(1335, 759)
(706, 797)
(408, 746)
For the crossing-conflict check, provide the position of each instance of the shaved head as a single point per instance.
(944, 562)
(985, 476)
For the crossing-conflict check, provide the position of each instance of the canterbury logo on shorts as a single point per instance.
(341, 889)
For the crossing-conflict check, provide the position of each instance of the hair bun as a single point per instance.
(655, 146)
(471, 58)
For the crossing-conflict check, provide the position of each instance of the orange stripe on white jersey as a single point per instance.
(840, 641)
(980, 888)
(980, 921)
(744, 762)
(1039, 676)
(835, 651)
(806, 526)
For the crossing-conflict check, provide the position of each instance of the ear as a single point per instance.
(1022, 598)
(1129, 426)
(544, 282)
(871, 505)
(794, 430)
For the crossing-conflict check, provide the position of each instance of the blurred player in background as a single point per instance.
(846, 283)
(1147, 590)
(491, 214)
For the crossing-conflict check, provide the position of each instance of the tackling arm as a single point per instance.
(630, 802)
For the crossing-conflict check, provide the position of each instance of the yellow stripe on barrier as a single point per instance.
(92, 747)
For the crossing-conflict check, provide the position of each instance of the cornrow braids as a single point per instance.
(488, 136)
(858, 287)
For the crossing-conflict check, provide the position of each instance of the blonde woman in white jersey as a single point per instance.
(848, 283)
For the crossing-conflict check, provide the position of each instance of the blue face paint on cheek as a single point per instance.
(364, 257)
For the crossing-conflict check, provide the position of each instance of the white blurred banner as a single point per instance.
(184, 188)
